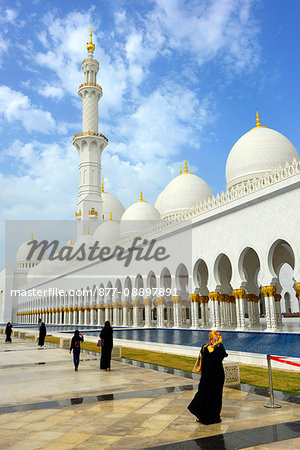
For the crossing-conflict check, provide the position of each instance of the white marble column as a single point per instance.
(148, 304)
(204, 299)
(214, 296)
(125, 314)
(115, 314)
(160, 323)
(80, 316)
(100, 315)
(169, 316)
(278, 310)
(222, 309)
(106, 312)
(92, 314)
(135, 305)
(239, 295)
(194, 299)
(250, 303)
(177, 311)
(269, 292)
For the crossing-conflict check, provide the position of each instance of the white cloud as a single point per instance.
(51, 91)
(43, 185)
(15, 106)
(164, 123)
(219, 28)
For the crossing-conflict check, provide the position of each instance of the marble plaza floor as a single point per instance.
(44, 404)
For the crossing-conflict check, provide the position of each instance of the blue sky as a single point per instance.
(181, 80)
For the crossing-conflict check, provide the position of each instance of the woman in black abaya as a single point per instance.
(8, 331)
(42, 333)
(207, 403)
(106, 336)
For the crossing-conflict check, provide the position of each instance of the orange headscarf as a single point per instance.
(215, 338)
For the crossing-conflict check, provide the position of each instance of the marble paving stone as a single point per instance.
(124, 423)
(27, 445)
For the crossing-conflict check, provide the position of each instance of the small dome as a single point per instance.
(138, 216)
(113, 205)
(22, 255)
(107, 233)
(257, 152)
(181, 193)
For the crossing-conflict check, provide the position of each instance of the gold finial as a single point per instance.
(141, 197)
(71, 242)
(257, 120)
(90, 45)
(180, 170)
(102, 185)
(186, 168)
(88, 231)
(258, 125)
(57, 251)
(31, 237)
(110, 215)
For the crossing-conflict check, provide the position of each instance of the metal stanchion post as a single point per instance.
(271, 403)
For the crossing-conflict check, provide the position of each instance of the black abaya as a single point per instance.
(207, 403)
(106, 336)
(8, 331)
(42, 334)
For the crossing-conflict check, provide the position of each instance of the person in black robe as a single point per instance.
(8, 331)
(42, 333)
(75, 346)
(207, 403)
(106, 337)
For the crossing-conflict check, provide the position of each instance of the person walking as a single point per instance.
(75, 346)
(106, 336)
(42, 333)
(8, 331)
(207, 402)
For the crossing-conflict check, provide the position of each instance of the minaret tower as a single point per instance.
(89, 144)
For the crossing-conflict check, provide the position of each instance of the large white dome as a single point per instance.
(256, 153)
(111, 205)
(181, 193)
(138, 216)
(107, 233)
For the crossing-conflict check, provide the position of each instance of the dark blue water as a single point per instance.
(281, 344)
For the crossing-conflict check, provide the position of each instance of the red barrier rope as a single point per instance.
(282, 360)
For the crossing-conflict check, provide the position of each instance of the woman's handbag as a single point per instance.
(100, 343)
(198, 365)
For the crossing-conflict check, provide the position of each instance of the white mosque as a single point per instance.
(221, 261)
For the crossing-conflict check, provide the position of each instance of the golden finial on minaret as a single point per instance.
(88, 231)
(180, 170)
(71, 242)
(257, 120)
(31, 237)
(110, 215)
(90, 45)
(102, 185)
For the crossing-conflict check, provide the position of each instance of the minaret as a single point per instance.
(89, 145)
